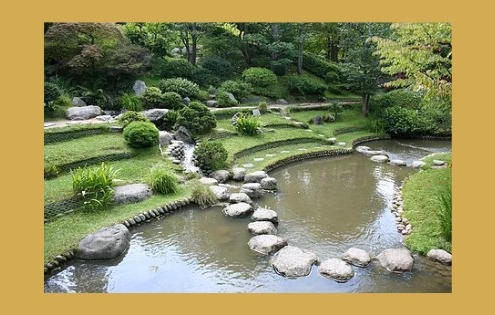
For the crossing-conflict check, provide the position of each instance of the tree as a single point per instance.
(361, 66)
(422, 53)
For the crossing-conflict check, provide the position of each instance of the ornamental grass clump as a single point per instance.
(94, 186)
(202, 195)
(162, 180)
(247, 125)
(445, 213)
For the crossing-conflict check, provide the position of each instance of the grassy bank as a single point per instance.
(423, 206)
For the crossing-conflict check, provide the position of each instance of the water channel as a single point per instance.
(324, 205)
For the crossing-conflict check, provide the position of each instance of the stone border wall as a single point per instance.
(53, 137)
(275, 144)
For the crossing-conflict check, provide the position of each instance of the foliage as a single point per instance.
(197, 118)
(319, 66)
(130, 102)
(167, 122)
(219, 67)
(162, 180)
(152, 98)
(202, 195)
(131, 116)
(304, 86)
(141, 134)
(259, 77)
(263, 107)
(438, 116)
(238, 88)
(336, 109)
(172, 100)
(51, 93)
(223, 99)
(96, 96)
(403, 122)
(94, 186)
(400, 97)
(422, 54)
(445, 213)
(183, 87)
(247, 125)
(51, 171)
(177, 68)
(210, 156)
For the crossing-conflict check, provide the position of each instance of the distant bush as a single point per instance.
(319, 66)
(197, 118)
(263, 107)
(51, 92)
(219, 67)
(140, 134)
(336, 109)
(152, 98)
(163, 180)
(131, 116)
(183, 87)
(130, 102)
(247, 125)
(401, 97)
(259, 77)
(400, 122)
(210, 156)
(94, 186)
(238, 88)
(172, 100)
(304, 86)
(223, 99)
(176, 68)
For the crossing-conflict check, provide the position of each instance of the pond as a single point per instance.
(324, 205)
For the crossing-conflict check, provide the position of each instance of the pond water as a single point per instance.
(324, 205)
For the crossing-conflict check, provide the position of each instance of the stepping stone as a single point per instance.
(336, 269)
(208, 181)
(269, 183)
(397, 162)
(293, 262)
(438, 162)
(396, 259)
(262, 227)
(264, 214)
(131, 193)
(356, 257)
(417, 164)
(379, 158)
(342, 144)
(238, 210)
(258, 159)
(284, 151)
(270, 155)
(302, 149)
(240, 197)
(440, 256)
(248, 165)
(266, 244)
(222, 193)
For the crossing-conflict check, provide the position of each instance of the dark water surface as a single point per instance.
(325, 206)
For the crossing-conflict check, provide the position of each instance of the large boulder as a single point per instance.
(83, 112)
(221, 175)
(396, 259)
(293, 262)
(165, 138)
(139, 87)
(155, 114)
(107, 243)
(262, 227)
(78, 102)
(131, 193)
(266, 244)
(253, 190)
(440, 256)
(264, 214)
(336, 269)
(357, 257)
(238, 173)
(183, 134)
(240, 209)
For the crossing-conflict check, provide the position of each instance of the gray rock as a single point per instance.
(281, 101)
(253, 194)
(104, 117)
(362, 148)
(418, 164)
(293, 262)
(232, 97)
(107, 243)
(373, 152)
(83, 112)
(255, 177)
(269, 183)
(221, 175)
(238, 173)
(222, 193)
(317, 120)
(139, 87)
(240, 209)
(155, 114)
(440, 256)
(183, 134)
(186, 101)
(438, 162)
(78, 102)
(356, 257)
(208, 181)
(396, 259)
(266, 244)
(131, 193)
(165, 138)
(264, 214)
(336, 269)
(397, 162)
(240, 197)
(262, 227)
(211, 103)
(379, 158)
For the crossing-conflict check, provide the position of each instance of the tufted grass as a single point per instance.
(423, 208)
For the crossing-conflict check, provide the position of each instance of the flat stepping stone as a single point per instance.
(342, 144)
(418, 164)
(240, 197)
(302, 149)
(438, 162)
(258, 159)
(293, 262)
(49, 124)
(238, 173)
(266, 244)
(284, 151)
(255, 177)
(440, 256)
(131, 193)
(373, 152)
(270, 155)
(396, 259)
(379, 158)
(336, 269)
(269, 183)
(208, 181)
(248, 165)
(356, 257)
(238, 210)
(262, 227)
(264, 214)
(397, 162)
(222, 193)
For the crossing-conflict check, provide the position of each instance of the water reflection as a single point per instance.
(325, 206)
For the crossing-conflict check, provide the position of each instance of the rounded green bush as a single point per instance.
(210, 156)
(140, 134)
(259, 77)
(238, 88)
(197, 118)
(172, 100)
(130, 116)
(183, 87)
(152, 98)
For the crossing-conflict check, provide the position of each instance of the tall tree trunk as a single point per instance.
(334, 51)
(300, 51)
(194, 46)
(365, 104)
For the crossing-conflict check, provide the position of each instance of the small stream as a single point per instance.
(324, 205)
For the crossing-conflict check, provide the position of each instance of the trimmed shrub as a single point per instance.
(219, 67)
(141, 134)
(238, 88)
(223, 99)
(336, 109)
(259, 77)
(167, 122)
(197, 118)
(130, 102)
(210, 156)
(304, 86)
(183, 87)
(400, 122)
(247, 125)
(172, 100)
(163, 180)
(94, 186)
(131, 116)
(152, 98)
(319, 66)
(202, 195)
(402, 97)
(263, 107)
(177, 67)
